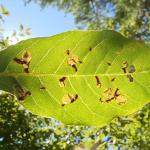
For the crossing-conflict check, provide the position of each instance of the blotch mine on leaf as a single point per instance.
(98, 83)
(108, 95)
(20, 93)
(26, 57)
(73, 60)
(68, 99)
(62, 81)
(111, 94)
(42, 88)
(24, 61)
(108, 63)
(125, 66)
(19, 61)
(120, 99)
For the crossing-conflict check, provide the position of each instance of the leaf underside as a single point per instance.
(78, 77)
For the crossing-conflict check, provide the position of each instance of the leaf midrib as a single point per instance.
(5, 74)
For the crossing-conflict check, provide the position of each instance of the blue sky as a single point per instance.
(46, 22)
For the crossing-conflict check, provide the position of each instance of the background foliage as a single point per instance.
(130, 17)
(20, 129)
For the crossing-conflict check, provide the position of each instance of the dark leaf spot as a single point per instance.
(125, 66)
(43, 88)
(110, 95)
(75, 68)
(130, 77)
(98, 81)
(62, 81)
(21, 96)
(24, 61)
(108, 63)
(90, 49)
(67, 52)
(19, 61)
(113, 79)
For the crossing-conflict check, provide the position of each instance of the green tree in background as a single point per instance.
(130, 17)
(21, 130)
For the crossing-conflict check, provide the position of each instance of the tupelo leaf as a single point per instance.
(78, 77)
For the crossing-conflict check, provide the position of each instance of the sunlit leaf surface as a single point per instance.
(78, 77)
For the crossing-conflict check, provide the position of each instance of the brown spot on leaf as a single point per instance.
(120, 99)
(26, 57)
(113, 79)
(108, 63)
(73, 60)
(67, 52)
(129, 76)
(90, 49)
(19, 61)
(98, 83)
(111, 94)
(75, 68)
(62, 81)
(68, 99)
(125, 66)
(43, 88)
(108, 95)
(24, 61)
(22, 95)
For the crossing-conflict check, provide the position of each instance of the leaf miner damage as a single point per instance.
(24, 61)
(110, 95)
(68, 99)
(73, 60)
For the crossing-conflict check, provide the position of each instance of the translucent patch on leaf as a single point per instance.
(69, 98)
(120, 99)
(111, 95)
(73, 60)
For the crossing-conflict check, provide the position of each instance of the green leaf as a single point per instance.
(78, 77)
(21, 27)
(4, 11)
